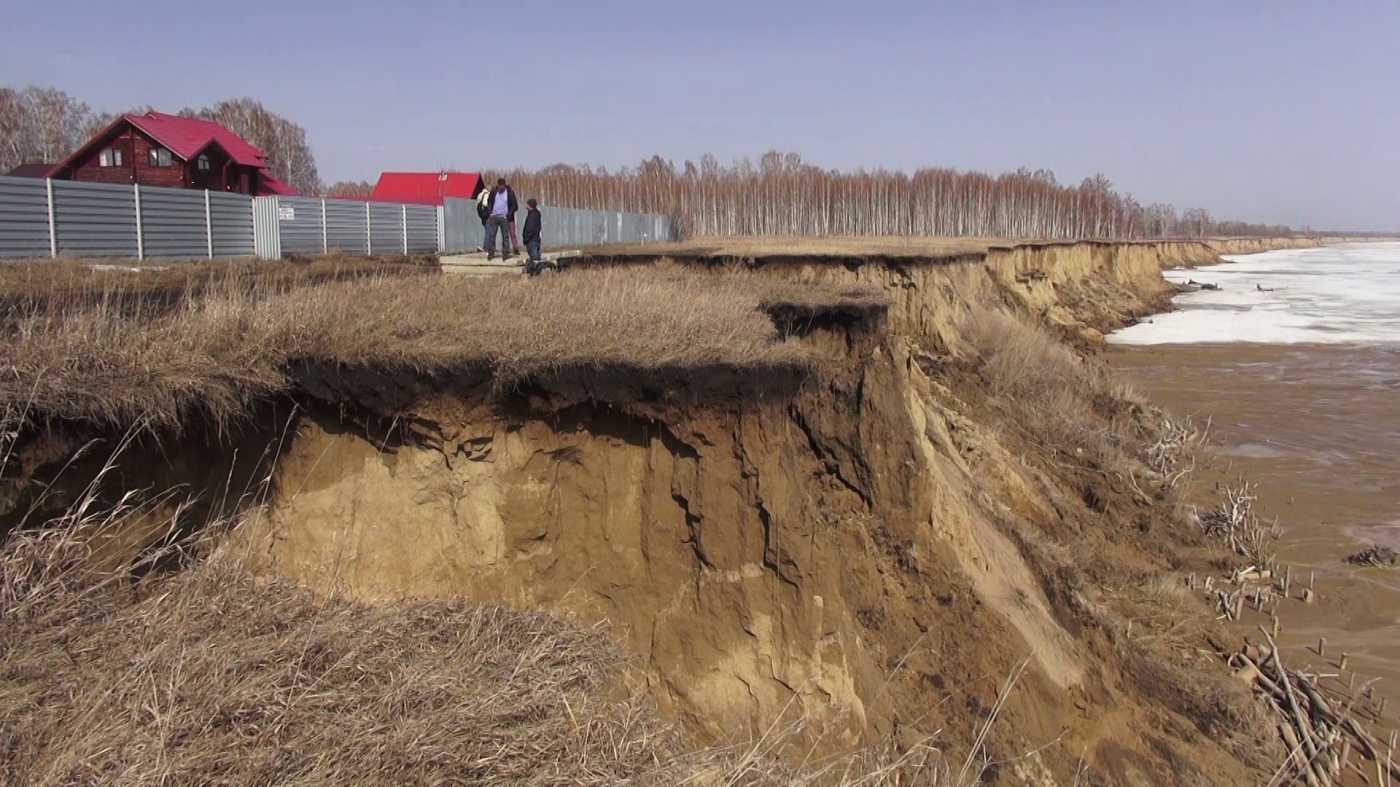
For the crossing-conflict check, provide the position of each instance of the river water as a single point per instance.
(1296, 362)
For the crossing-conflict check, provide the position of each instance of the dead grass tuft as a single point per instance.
(210, 677)
(1071, 406)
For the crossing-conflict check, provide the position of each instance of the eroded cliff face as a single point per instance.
(869, 553)
(766, 559)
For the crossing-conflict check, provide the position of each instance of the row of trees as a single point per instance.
(782, 195)
(779, 195)
(44, 124)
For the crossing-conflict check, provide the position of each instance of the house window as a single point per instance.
(110, 157)
(160, 157)
(203, 163)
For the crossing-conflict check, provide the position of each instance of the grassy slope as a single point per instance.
(87, 349)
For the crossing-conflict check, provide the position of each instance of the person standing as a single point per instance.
(483, 212)
(531, 236)
(515, 244)
(503, 207)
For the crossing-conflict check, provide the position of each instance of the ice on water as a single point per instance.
(1337, 294)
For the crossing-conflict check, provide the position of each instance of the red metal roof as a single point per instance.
(269, 185)
(187, 136)
(30, 171)
(426, 188)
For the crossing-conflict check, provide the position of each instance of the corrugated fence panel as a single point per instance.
(24, 218)
(562, 226)
(462, 229)
(95, 219)
(299, 224)
(173, 223)
(422, 228)
(386, 227)
(232, 216)
(345, 226)
(267, 242)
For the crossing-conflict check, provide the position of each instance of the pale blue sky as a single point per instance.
(1267, 111)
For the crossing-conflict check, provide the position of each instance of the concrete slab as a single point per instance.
(484, 270)
(476, 263)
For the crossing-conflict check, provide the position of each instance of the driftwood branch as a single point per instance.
(1321, 732)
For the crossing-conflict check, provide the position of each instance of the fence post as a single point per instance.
(404, 209)
(53, 226)
(369, 234)
(442, 228)
(325, 244)
(140, 237)
(209, 224)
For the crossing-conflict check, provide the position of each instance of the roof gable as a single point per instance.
(187, 136)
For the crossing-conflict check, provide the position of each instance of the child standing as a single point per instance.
(531, 236)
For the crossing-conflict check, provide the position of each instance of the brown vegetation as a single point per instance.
(209, 676)
(1088, 429)
(130, 673)
(85, 353)
(1070, 405)
(1009, 425)
(741, 247)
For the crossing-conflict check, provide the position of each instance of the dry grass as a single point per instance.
(129, 675)
(208, 676)
(65, 282)
(211, 677)
(767, 246)
(218, 348)
(1072, 406)
(841, 247)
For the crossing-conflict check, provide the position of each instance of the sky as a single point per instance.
(1285, 111)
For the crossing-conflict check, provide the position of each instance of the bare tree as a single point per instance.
(782, 195)
(350, 188)
(281, 141)
(55, 122)
(13, 144)
(1196, 222)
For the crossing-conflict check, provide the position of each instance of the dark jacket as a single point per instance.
(532, 226)
(510, 198)
(483, 210)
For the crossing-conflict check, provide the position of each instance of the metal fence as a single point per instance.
(286, 225)
(462, 230)
(48, 218)
(44, 218)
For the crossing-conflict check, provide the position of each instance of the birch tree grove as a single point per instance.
(779, 194)
(782, 195)
(39, 124)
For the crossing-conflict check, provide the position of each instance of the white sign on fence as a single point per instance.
(286, 213)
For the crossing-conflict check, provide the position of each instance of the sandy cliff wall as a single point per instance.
(872, 552)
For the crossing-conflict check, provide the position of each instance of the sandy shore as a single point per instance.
(1317, 427)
